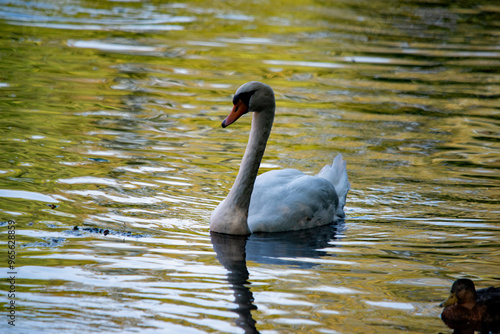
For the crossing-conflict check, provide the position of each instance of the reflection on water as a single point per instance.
(295, 248)
(291, 248)
(231, 254)
(110, 121)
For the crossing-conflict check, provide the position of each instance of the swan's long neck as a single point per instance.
(231, 216)
(243, 185)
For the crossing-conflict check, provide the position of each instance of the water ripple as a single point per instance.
(112, 159)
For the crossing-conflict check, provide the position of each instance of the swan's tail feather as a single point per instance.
(336, 173)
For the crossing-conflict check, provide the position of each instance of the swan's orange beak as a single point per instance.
(238, 110)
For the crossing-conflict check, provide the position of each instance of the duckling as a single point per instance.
(467, 311)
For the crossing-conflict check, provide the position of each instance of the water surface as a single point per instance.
(110, 121)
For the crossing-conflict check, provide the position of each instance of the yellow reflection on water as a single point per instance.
(113, 111)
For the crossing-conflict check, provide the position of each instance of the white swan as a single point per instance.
(279, 200)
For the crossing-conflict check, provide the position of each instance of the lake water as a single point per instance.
(112, 158)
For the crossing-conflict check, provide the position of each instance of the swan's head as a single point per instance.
(252, 96)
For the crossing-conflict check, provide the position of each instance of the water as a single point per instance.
(110, 122)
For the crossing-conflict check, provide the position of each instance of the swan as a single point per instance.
(278, 200)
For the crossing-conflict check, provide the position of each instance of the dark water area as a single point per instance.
(110, 121)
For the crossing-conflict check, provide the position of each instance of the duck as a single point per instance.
(278, 200)
(467, 310)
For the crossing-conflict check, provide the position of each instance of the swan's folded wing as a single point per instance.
(288, 200)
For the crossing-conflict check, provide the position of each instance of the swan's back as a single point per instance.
(286, 200)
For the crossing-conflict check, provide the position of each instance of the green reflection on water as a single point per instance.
(113, 109)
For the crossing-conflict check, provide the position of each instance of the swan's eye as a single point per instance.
(236, 99)
(244, 98)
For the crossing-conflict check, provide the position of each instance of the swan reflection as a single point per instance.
(286, 248)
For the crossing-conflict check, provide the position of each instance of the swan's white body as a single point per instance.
(280, 200)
